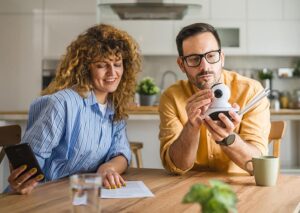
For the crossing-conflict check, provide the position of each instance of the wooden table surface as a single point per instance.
(168, 190)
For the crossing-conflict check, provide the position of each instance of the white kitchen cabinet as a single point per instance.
(21, 6)
(64, 20)
(202, 11)
(232, 34)
(273, 38)
(61, 29)
(228, 10)
(291, 9)
(70, 6)
(265, 9)
(20, 54)
(154, 37)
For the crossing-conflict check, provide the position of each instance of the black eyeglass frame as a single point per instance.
(202, 56)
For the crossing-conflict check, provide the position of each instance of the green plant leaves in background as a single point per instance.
(296, 72)
(265, 74)
(218, 197)
(147, 86)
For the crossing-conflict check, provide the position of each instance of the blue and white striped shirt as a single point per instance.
(69, 134)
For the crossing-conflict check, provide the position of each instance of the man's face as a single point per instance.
(205, 74)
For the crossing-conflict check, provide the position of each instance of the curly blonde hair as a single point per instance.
(100, 41)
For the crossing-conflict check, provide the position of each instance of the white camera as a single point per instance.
(220, 102)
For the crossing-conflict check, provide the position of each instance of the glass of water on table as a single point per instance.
(85, 192)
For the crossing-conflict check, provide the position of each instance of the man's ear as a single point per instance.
(180, 64)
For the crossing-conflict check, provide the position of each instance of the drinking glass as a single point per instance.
(85, 192)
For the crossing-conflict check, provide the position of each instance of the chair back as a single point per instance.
(9, 135)
(136, 150)
(276, 134)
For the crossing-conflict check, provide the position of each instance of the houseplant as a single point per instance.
(147, 91)
(296, 72)
(266, 77)
(218, 197)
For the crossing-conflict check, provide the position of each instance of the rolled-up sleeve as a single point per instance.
(45, 128)
(119, 145)
(170, 129)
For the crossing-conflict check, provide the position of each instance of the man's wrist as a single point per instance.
(192, 127)
(229, 140)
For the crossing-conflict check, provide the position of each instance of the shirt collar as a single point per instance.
(91, 100)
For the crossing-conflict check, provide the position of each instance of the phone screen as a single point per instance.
(22, 154)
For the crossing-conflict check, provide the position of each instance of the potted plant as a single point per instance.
(147, 90)
(296, 71)
(218, 197)
(266, 77)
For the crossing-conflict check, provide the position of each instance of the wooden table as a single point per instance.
(169, 191)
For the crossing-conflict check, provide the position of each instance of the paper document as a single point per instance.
(133, 189)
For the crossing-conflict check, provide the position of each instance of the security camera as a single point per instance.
(220, 102)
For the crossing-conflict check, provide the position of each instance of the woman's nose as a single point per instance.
(110, 69)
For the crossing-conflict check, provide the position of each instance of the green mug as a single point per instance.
(265, 170)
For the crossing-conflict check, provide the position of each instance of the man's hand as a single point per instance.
(197, 105)
(223, 128)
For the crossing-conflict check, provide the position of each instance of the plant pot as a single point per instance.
(267, 83)
(147, 100)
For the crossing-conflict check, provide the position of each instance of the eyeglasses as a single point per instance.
(194, 60)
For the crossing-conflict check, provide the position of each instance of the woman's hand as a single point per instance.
(22, 182)
(111, 170)
(112, 179)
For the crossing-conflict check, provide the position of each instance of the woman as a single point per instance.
(78, 125)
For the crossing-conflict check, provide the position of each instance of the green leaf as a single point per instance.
(214, 206)
(223, 193)
(219, 184)
(198, 193)
(226, 197)
(147, 87)
(219, 197)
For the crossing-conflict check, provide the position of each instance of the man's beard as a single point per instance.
(204, 83)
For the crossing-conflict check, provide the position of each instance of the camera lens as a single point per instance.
(218, 93)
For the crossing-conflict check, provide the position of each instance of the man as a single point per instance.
(189, 139)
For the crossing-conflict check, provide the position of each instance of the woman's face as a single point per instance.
(106, 75)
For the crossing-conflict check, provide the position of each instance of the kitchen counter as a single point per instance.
(154, 110)
(147, 112)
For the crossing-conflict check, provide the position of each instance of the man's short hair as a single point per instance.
(192, 30)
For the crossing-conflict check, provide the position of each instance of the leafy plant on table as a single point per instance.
(218, 197)
(147, 86)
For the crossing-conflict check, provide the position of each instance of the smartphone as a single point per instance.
(22, 154)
